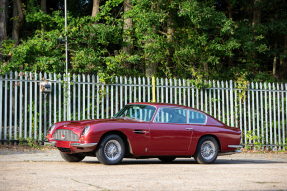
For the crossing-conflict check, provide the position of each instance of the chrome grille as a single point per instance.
(68, 134)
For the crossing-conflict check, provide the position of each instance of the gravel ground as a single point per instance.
(22, 168)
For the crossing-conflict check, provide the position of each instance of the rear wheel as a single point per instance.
(167, 158)
(72, 157)
(206, 151)
(111, 150)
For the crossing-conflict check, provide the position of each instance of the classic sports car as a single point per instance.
(146, 130)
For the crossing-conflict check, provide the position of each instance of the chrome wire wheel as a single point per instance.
(112, 150)
(208, 150)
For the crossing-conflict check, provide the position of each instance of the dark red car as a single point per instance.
(146, 130)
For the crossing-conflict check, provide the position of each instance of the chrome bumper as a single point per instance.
(229, 153)
(232, 152)
(83, 145)
(235, 146)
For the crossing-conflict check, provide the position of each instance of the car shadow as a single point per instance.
(189, 161)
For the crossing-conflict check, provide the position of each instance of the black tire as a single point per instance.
(72, 157)
(111, 150)
(167, 158)
(206, 151)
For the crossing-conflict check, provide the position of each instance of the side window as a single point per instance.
(171, 115)
(196, 117)
(143, 114)
(163, 116)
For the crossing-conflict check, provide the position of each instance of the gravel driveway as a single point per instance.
(29, 169)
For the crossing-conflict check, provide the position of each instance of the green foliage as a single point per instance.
(21, 141)
(31, 142)
(188, 39)
(254, 140)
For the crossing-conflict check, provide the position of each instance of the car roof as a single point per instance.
(162, 104)
(157, 105)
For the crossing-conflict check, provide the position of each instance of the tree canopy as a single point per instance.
(196, 39)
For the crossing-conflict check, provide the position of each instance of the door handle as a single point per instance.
(189, 129)
(140, 132)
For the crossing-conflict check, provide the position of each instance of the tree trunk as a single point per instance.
(274, 62)
(150, 69)
(96, 6)
(170, 35)
(229, 7)
(205, 66)
(44, 6)
(274, 65)
(256, 13)
(3, 23)
(128, 25)
(18, 20)
(283, 61)
(44, 10)
(255, 21)
(284, 65)
(150, 66)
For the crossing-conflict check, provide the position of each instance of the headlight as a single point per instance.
(50, 130)
(85, 130)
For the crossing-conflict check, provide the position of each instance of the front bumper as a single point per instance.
(73, 147)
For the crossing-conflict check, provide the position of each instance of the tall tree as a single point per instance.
(128, 25)
(284, 63)
(256, 13)
(3, 22)
(149, 46)
(229, 8)
(44, 6)
(96, 6)
(18, 20)
(44, 10)
(170, 37)
(256, 21)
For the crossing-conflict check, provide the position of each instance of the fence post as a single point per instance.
(35, 106)
(153, 89)
(1, 104)
(68, 97)
(231, 103)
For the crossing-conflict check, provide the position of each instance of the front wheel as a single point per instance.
(111, 150)
(72, 157)
(206, 151)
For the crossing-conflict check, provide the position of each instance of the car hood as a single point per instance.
(78, 126)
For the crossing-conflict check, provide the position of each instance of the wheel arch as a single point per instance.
(211, 135)
(124, 138)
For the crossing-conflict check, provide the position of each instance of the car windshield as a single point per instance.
(138, 112)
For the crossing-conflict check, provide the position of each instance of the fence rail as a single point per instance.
(258, 109)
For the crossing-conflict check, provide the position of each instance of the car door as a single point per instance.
(138, 117)
(169, 132)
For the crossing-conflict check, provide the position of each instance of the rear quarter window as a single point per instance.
(196, 117)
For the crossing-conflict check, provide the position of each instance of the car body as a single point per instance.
(145, 130)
